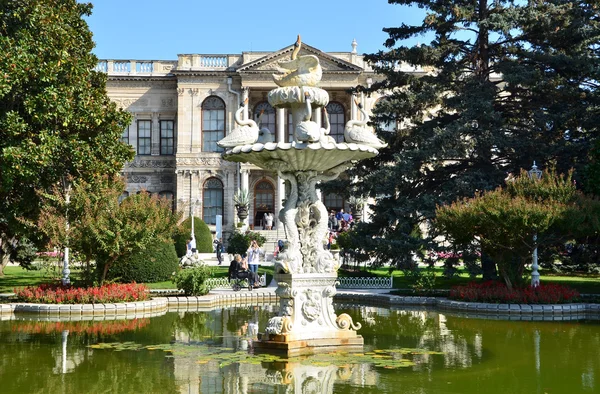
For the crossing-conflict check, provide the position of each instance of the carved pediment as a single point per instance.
(328, 62)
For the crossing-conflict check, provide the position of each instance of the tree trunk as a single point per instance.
(4, 255)
(488, 266)
(107, 266)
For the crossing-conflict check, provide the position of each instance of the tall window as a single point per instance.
(125, 135)
(144, 137)
(337, 120)
(212, 200)
(334, 202)
(268, 118)
(167, 137)
(213, 123)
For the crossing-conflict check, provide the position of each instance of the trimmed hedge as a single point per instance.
(155, 264)
(204, 238)
(238, 243)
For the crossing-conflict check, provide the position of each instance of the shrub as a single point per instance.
(497, 292)
(204, 239)
(57, 294)
(193, 280)
(238, 243)
(154, 264)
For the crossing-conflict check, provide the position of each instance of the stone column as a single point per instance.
(133, 133)
(280, 135)
(280, 197)
(245, 94)
(155, 140)
(317, 114)
(193, 93)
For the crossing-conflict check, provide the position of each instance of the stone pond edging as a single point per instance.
(159, 305)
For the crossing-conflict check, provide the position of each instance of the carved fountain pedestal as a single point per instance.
(305, 272)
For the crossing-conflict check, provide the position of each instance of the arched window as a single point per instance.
(337, 120)
(268, 118)
(213, 123)
(264, 198)
(169, 196)
(334, 202)
(212, 200)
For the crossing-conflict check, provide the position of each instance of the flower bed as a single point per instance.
(57, 294)
(497, 292)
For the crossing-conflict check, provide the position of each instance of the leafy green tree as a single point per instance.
(105, 229)
(55, 116)
(502, 83)
(504, 221)
(239, 243)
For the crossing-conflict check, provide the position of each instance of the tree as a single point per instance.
(55, 116)
(501, 84)
(105, 229)
(504, 221)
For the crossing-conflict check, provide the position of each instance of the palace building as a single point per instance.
(182, 107)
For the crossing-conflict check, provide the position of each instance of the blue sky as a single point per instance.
(160, 30)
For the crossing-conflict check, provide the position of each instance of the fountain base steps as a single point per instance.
(268, 343)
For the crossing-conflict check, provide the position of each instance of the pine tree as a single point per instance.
(501, 84)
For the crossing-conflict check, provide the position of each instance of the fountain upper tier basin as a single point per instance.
(296, 156)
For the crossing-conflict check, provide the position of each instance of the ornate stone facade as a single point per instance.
(181, 108)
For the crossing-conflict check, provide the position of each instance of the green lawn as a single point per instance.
(17, 277)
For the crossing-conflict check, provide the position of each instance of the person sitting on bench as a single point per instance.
(238, 268)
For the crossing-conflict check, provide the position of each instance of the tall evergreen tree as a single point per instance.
(55, 116)
(502, 83)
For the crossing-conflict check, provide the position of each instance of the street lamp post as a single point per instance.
(536, 174)
(193, 204)
(66, 271)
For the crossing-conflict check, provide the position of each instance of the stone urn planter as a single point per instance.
(242, 212)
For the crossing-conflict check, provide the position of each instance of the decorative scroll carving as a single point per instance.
(200, 161)
(167, 102)
(151, 164)
(138, 179)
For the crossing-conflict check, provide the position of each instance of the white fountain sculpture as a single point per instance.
(305, 272)
(246, 133)
(359, 132)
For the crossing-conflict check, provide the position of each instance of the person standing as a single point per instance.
(253, 254)
(219, 249)
(268, 221)
(193, 245)
(188, 248)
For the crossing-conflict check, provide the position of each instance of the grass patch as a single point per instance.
(18, 277)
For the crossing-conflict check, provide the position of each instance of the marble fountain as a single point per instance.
(305, 272)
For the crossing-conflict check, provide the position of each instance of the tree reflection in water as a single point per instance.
(211, 352)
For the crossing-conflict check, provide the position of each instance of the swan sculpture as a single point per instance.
(357, 131)
(307, 130)
(264, 134)
(299, 71)
(325, 138)
(246, 133)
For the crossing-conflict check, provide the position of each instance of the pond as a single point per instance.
(406, 350)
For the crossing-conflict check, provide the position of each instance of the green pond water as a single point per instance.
(406, 351)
